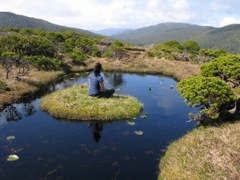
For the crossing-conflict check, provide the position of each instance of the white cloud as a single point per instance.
(229, 20)
(99, 14)
(180, 4)
(153, 4)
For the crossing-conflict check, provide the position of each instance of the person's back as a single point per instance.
(94, 84)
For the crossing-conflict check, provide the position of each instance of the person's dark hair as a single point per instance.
(97, 68)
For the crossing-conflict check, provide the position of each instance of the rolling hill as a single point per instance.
(227, 38)
(8, 19)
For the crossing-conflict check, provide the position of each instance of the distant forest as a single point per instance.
(226, 38)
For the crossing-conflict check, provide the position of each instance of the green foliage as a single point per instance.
(117, 45)
(27, 45)
(78, 56)
(108, 54)
(45, 49)
(174, 45)
(162, 50)
(85, 45)
(116, 50)
(26, 31)
(210, 92)
(54, 36)
(227, 66)
(191, 46)
(151, 54)
(45, 63)
(8, 60)
(212, 53)
(167, 50)
(3, 87)
(209, 70)
(10, 43)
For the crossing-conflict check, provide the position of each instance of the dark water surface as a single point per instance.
(51, 148)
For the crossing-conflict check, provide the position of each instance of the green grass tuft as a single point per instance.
(74, 104)
(205, 153)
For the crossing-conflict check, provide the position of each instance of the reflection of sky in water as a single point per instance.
(51, 148)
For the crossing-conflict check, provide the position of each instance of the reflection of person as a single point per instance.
(96, 129)
(96, 84)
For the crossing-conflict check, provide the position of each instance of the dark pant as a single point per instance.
(106, 94)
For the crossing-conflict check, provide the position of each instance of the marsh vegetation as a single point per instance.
(74, 103)
(209, 81)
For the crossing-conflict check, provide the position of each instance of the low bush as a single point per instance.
(3, 87)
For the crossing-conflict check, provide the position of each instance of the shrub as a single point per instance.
(78, 56)
(209, 92)
(45, 63)
(3, 87)
(212, 53)
(108, 54)
(227, 66)
(191, 46)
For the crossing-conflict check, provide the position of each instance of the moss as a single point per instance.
(74, 104)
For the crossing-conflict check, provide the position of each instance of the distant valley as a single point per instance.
(111, 31)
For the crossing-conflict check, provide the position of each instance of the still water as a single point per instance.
(50, 148)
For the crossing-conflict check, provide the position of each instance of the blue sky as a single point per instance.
(101, 14)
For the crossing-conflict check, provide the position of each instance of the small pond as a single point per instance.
(51, 148)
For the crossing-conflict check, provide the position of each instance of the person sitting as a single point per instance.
(96, 84)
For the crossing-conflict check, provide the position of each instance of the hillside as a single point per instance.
(8, 19)
(227, 38)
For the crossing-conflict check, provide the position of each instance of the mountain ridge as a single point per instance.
(9, 19)
(227, 37)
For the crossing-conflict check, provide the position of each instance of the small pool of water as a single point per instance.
(51, 148)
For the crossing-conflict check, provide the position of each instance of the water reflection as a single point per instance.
(28, 109)
(52, 148)
(11, 113)
(16, 112)
(96, 129)
(117, 80)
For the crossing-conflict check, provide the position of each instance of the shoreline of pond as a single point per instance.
(153, 67)
(29, 86)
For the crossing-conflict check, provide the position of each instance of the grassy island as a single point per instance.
(74, 103)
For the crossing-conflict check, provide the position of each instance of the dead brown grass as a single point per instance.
(28, 84)
(142, 64)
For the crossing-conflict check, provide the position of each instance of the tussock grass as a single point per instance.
(143, 64)
(74, 104)
(205, 153)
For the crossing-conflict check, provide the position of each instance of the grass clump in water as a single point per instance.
(74, 104)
